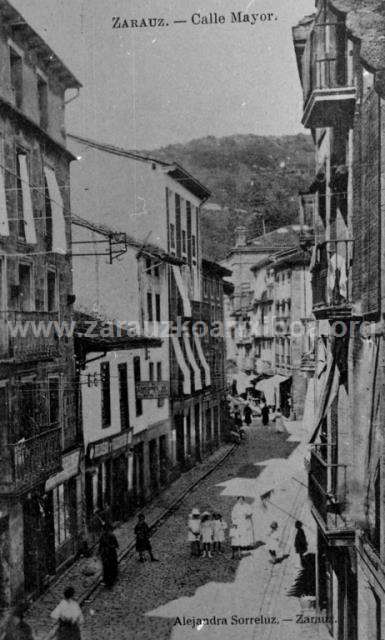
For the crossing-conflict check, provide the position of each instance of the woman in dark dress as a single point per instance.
(247, 413)
(108, 546)
(265, 414)
(300, 542)
(142, 535)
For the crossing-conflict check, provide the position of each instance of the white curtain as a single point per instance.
(59, 242)
(4, 226)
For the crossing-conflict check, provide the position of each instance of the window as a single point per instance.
(184, 246)
(25, 299)
(54, 408)
(42, 91)
(137, 378)
(123, 396)
(178, 224)
(149, 307)
(148, 265)
(16, 65)
(106, 394)
(376, 537)
(157, 307)
(193, 245)
(172, 236)
(51, 291)
(159, 377)
(151, 371)
(156, 271)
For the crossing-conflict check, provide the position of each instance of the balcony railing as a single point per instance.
(327, 486)
(331, 279)
(328, 97)
(29, 335)
(33, 460)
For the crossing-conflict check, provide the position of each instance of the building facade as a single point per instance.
(40, 477)
(341, 72)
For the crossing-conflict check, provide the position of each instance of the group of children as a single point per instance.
(206, 533)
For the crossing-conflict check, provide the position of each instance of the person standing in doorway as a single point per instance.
(108, 546)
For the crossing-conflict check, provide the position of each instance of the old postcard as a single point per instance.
(192, 304)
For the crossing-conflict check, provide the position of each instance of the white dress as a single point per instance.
(244, 525)
(219, 530)
(194, 527)
(207, 531)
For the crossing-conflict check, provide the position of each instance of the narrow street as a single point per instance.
(148, 598)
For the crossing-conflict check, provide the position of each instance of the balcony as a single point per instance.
(32, 461)
(28, 336)
(308, 362)
(331, 279)
(327, 491)
(329, 100)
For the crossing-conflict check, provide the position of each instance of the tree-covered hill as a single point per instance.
(252, 178)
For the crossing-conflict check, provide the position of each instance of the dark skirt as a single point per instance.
(110, 568)
(143, 544)
(68, 630)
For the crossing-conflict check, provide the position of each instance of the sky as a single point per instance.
(149, 87)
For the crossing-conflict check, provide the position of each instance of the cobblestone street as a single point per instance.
(178, 585)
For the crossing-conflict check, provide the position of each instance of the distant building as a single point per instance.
(41, 521)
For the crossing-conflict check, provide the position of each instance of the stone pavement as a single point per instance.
(38, 615)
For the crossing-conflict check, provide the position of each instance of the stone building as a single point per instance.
(41, 517)
(341, 60)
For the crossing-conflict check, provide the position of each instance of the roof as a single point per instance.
(106, 336)
(209, 266)
(144, 247)
(173, 169)
(27, 36)
(292, 257)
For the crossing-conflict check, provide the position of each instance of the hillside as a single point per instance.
(253, 178)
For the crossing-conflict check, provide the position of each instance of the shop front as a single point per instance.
(107, 477)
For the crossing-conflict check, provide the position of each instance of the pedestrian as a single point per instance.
(68, 616)
(194, 532)
(273, 543)
(219, 528)
(265, 414)
(238, 419)
(108, 546)
(247, 414)
(241, 515)
(17, 628)
(279, 424)
(234, 537)
(142, 533)
(206, 534)
(300, 542)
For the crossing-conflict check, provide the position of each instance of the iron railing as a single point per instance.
(37, 457)
(327, 484)
(30, 335)
(331, 275)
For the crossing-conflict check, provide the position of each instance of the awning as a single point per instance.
(182, 291)
(182, 364)
(59, 242)
(192, 361)
(270, 388)
(29, 223)
(4, 226)
(328, 394)
(202, 359)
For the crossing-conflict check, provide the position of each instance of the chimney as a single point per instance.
(240, 236)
